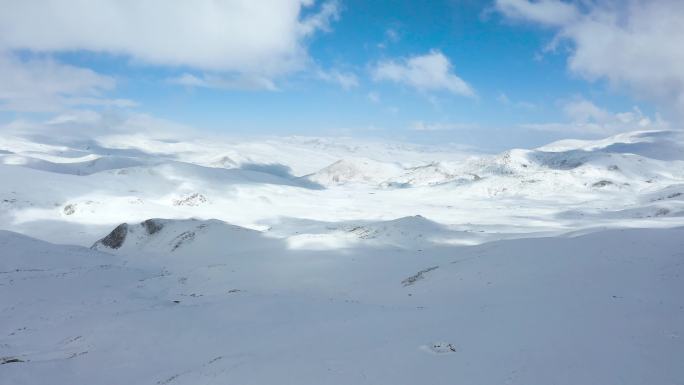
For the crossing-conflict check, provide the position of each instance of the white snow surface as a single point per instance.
(134, 260)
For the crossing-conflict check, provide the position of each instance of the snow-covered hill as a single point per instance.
(660, 144)
(354, 170)
(609, 162)
(185, 238)
(544, 306)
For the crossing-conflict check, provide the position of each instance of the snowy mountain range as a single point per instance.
(293, 260)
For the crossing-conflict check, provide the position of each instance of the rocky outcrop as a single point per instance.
(152, 226)
(115, 239)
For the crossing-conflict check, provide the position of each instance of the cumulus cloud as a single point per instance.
(44, 84)
(582, 110)
(429, 72)
(233, 44)
(265, 37)
(635, 44)
(587, 118)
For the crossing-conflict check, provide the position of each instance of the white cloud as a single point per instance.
(583, 111)
(265, 37)
(633, 43)
(240, 44)
(320, 21)
(429, 72)
(235, 82)
(72, 124)
(46, 85)
(549, 12)
(346, 80)
(587, 118)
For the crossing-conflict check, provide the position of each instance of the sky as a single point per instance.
(485, 74)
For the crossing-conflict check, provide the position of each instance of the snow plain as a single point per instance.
(337, 261)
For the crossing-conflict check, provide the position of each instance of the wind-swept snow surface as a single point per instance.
(127, 259)
(599, 308)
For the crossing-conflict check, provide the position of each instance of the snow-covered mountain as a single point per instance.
(575, 161)
(516, 191)
(309, 260)
(354, 170)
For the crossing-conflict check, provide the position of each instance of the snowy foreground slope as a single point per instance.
(131, 260)
(600, 308)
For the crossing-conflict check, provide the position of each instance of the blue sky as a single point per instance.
(490, 74)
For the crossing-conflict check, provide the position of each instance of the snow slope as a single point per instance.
(354, 170)
(562, 310)
(183, 238)
(661, 145)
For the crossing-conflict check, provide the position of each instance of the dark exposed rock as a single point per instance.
(182, 238)
(152, 226)
(9, 360)
(442, 348)
(116, 238)
(194, 199)
(602, 183)
(670, 196)
(661, 212)
(418, 276)
(69, 209)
